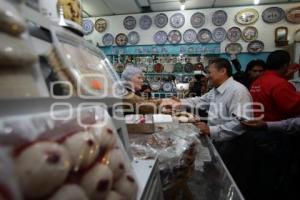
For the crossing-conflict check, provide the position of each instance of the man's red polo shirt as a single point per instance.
(278, 96)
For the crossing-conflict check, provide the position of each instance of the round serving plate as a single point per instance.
(133, 37)
(273, 15)
(167, 87)
(108, 39)
(160, 37)
(249, 33)
(198, 67)
(234, 34)
(169, 67)
(293, 15)
(247, 16)
(178, 67)
(190, 36)
(119, 67)
(158, 68)
(100, 25)
(129, 22)
(150, 68)
(87, 26)
(219, 34)
(174, 37)
(233, 48)
(197, 20)
(155, 85)
(188, 67)
(255, 46)
(161, 20)
(204, 36)
(177, 20)
(219, 18)
(145, 22)
(121, 39)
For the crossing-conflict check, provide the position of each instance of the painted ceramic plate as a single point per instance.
(273, 15)
(250, 33)
(174, 37)
(167, 87)
(234, 34)
(247, 16)
(145, 22)
(255, 46)
(233, 48)
(100, 25)
(219, 34)
(178, 67)
(161, 20)
(219, 18)
(133, 37)
(119, 67)
(158, 68)
(121, 39)
(150, 68)
(190, 36)
(129, 22)
(293, 15)
(177, 20)
(108, 39)
(160, 37)
(155, 85)
(198, 67)
(204, 36)
(87, 26)
(188, 67)
(198, 20)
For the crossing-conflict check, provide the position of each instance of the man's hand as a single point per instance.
(255, 124)
(203, 128)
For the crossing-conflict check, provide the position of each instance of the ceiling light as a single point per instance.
(256, 2)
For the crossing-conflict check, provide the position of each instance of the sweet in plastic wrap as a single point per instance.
(69, 192)
(112, 195)
(126, 186)
(106, 136)
(116, 162)
(42, 168)
(83, 149)
(97, 182)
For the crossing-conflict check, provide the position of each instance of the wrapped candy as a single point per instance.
(126, 186)
(69, 192)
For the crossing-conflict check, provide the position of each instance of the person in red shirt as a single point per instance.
(278, 97)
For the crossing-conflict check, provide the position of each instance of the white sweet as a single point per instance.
(69, 192)
(42, 168)
(183, 119)
(114, 196)
(126, 186)
(83, 149)
(97, 182)
(116, 162)
(105, 135)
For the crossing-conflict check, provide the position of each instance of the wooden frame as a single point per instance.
(281, 36)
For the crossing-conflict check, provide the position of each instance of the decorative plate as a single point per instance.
(160, 37)
(198, 20)
(219, 34)
(121, 39)
(174, 37)
(233, 48)
(249, 33)
(255, 46)
(204, 36)
(273, 15)
(293, 15)
(185, 79)
(133, 37)
(190, 36)
(145, 22)
(247, 16)
(188, 67)
(198, 67)
(234, 34)
(87, 26)
(169, 67)
(178, 67)
(100, 25)
(158, 68)
(177, 20)
(129, 22)
(155, 85)
(161, 20)
(108, 39)
(219, 18)
(167, 87)
(119, 67)
(150, 68)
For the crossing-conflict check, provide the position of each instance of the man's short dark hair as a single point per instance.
(253, 63)
(223, 63)
(278, 59)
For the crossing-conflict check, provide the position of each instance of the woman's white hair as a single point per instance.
(130, 71)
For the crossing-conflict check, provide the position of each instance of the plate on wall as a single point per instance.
(108, 39)
(161, 20)
(167, 87)
(100, 25)
(160, 37)
(188, 67)
(177, 20)
(174, 37)
(158, 68)
(293, 15)
(273, 15)
(219, 34)
(190, 36)
(121, 39)
(178, 67)
(250, 33)
(255, 46)
(233, 48)
(87, 26)
(219, 18)
(155, 85)
(204, 36)
(247, 16)
(234, 34)
(133, 37)
(145, 22)
(129, 22)
(197, 20)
